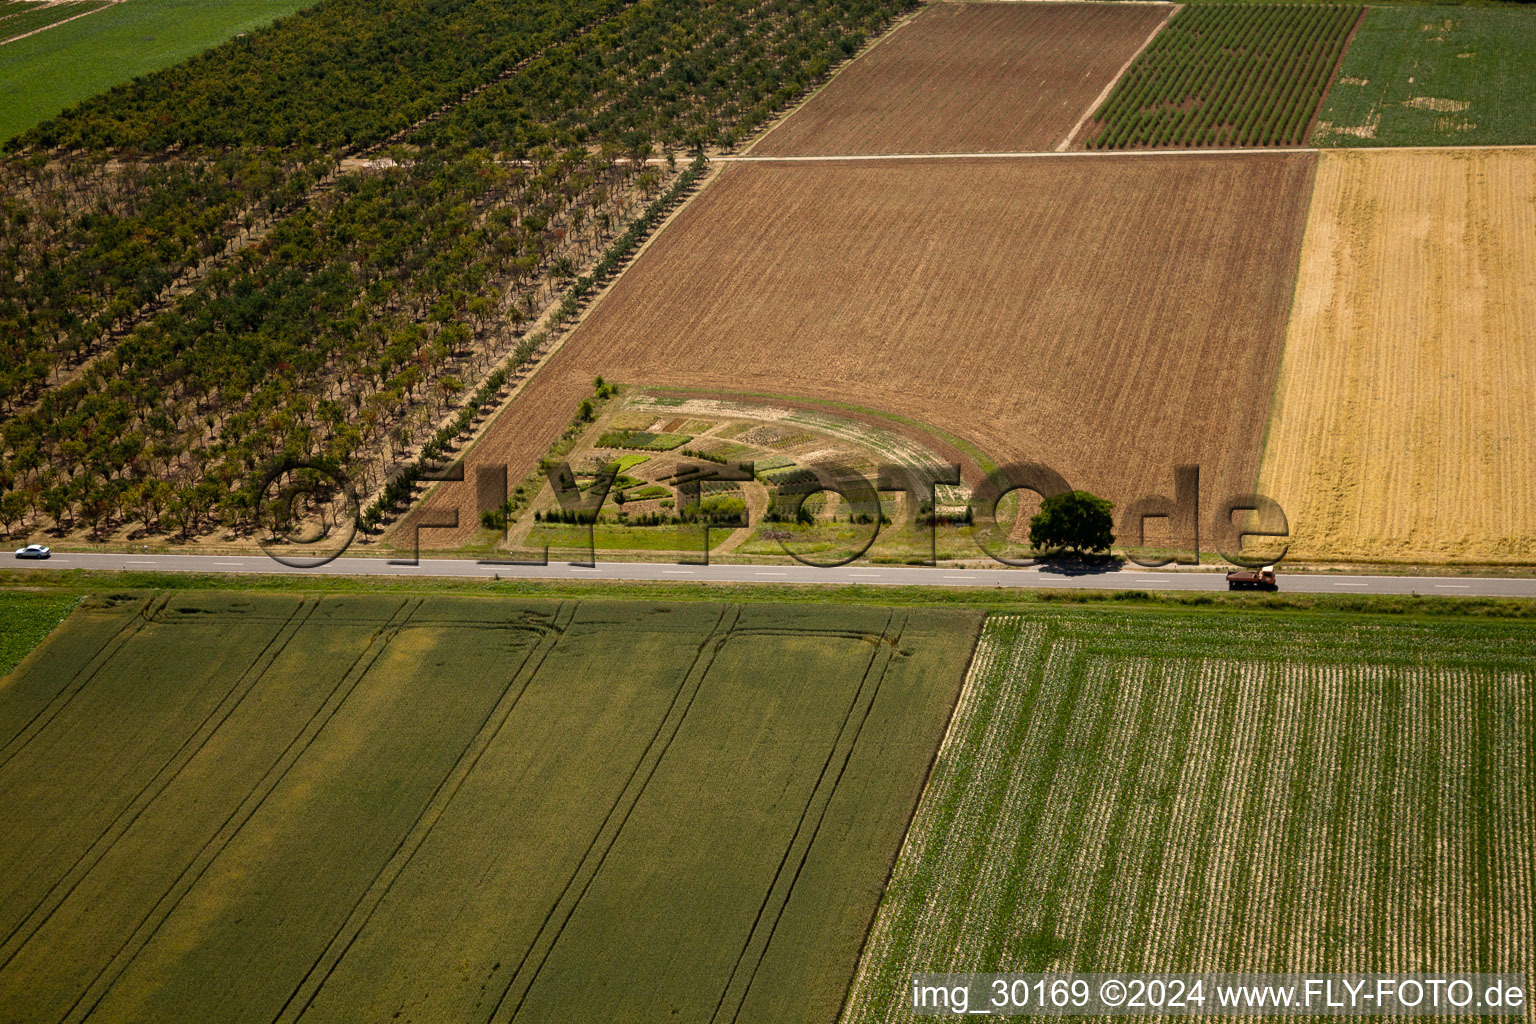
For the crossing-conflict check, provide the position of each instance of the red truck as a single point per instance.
(1252, 579)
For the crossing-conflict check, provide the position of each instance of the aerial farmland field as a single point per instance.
(69, 62)
(1435, 76)
(650, 665)
(1227, 75)
(971, 77)
(1111, 317)
(1164, 792)
(347, 808)
(1403, 424)
(20, 18)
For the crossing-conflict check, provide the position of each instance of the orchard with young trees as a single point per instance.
(1227, 75)
(212, 279)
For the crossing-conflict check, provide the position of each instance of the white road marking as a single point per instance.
(771, 574)
(960, 577)
(1341, 583)
(678, 572)
(1453, 586)
(865, 575)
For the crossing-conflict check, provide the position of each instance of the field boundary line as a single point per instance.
(134, 620)
(1077, 154)
(881, 657)
(902, 20)
(703, 660)
(1333, 77)
(1039, 154)
(1103, 95)
(92, 995)
(416, 836)
(1290, 316)
(62, 21)
(977, 637)
(158, 783)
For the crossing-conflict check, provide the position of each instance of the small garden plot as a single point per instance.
(643, 440)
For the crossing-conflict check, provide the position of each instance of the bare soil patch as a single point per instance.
(970, 78)
(1110, 317)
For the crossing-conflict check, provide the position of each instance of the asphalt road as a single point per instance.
(1133, 578)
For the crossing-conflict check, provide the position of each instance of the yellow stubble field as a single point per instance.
(1404, 424)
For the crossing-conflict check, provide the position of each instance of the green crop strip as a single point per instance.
(705, 795)
(1230, 792)
(1435, 76)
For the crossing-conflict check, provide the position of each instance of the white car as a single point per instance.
(33, 551)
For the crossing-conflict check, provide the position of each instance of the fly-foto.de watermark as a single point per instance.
(1193, 524)
(1222, 995)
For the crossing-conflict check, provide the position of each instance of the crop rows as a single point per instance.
(359, 321)
(97, 238)
(1182, 794)
(281, 829)
(96, 233)
(17, 19)
(86, 242)
(340, 73)
(1250, 75)
(719, 78)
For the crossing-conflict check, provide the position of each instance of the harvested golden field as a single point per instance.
(1109, 316)
(1404, 422)
(971, 78)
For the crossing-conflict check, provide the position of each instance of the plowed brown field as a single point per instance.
(1109, 316)
(1404, 422)
(970, 78)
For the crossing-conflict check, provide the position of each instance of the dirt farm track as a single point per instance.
(1110, 317)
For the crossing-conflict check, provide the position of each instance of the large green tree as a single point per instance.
(1077, 520)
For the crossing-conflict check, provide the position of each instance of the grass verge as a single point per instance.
(986, 599)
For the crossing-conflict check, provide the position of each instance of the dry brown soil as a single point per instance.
(970, 78)
(1111, 317)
